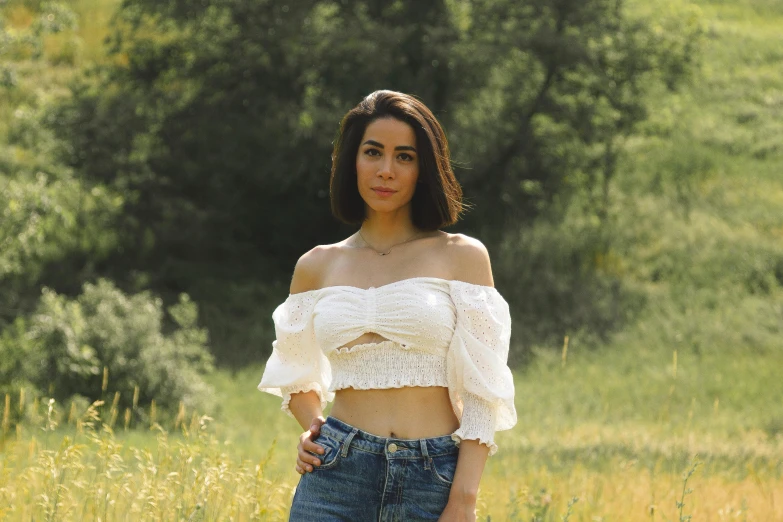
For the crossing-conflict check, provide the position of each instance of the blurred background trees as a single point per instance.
(218, 119)
(191, 153)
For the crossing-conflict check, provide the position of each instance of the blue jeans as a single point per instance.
(364, 477)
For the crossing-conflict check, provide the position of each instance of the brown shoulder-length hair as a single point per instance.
(437, 201)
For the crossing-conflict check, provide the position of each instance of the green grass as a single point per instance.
(614, 430)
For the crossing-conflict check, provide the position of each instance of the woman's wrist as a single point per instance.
(306, 408)
(316, 422)
(463, 494)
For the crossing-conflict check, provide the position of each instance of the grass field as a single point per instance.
(618, 433)
(690, 389)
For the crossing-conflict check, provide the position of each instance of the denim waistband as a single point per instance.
(394, 448)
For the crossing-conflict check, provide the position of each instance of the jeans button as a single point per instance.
(392, 447)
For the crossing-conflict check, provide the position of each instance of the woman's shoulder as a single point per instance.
(466, 244)
(313, 266)
(310, 267)
(469, 260)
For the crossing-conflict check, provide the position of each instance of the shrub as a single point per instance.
(16, 358)
(564, 278)
(76, 339)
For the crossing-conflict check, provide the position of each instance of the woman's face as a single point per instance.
(387, 165)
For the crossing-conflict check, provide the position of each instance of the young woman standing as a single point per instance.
(401, 326)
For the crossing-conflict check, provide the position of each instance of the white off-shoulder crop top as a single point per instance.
(438, 333)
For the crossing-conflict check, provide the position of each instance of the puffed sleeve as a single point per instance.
(297, 364)
(481, 385)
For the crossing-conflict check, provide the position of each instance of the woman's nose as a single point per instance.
(386, 170)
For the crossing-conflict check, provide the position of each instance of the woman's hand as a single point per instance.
(458, 511)
(461, 507)
(304, 460)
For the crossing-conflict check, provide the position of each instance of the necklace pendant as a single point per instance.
(390, 248)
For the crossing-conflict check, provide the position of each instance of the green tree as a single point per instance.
(566, 83)
(216, 118)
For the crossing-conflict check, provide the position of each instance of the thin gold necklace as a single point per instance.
(390, 248)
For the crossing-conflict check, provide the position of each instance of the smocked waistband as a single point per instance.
(385, 366)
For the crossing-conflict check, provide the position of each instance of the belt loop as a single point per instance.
(347, 442)
(427, 459)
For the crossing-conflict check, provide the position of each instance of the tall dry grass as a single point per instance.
(83, 471)
(88, 464)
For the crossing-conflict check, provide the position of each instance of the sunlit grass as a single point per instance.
(84, 470)
(617, 436)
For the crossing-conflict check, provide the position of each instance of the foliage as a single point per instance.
(176, 149)
(17, 358)
(567, 83)
(54, 227)
(216, 118)
(52, 18)
(565, 279)
(578, 71)
(42, 221)
(69, 342)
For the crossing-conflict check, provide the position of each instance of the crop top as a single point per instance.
(437, 332)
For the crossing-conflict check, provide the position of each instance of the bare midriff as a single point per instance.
(410, 412)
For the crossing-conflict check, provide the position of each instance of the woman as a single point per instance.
(400, 325)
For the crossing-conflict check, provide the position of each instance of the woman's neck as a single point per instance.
(385, 229)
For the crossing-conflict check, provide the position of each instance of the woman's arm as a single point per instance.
(461, 506)
(470, 466)
(472, 265)
(306, 406)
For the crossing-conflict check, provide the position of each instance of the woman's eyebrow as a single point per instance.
(380, 145)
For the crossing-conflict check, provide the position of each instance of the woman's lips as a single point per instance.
(384, 193)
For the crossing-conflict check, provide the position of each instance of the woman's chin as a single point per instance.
(384, 206)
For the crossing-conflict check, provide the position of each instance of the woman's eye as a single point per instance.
(405, 157)
(372, 152)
